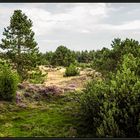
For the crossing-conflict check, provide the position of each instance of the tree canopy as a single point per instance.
(19, 43)
(62, 56)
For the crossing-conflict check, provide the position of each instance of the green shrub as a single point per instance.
(71, 71)
(84, 65)
(111, 108)
(91, 103)
(8, 83)
(37, 77)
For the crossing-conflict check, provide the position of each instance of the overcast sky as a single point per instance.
(78, 26)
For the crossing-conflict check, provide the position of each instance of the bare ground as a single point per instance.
(55, 77)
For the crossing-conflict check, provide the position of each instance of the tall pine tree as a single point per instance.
(20, 44)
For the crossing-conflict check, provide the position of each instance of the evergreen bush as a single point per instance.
(71, 70)
(8, 83)
(111, 108)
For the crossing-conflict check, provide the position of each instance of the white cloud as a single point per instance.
(51, 40)
(75, 25)
(130, 25)
(78, 18)
(85, 31)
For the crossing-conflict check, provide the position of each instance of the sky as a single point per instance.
(78, 26)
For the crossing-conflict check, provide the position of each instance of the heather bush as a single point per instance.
(8, 83)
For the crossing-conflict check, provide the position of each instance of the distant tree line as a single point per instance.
(63, 56)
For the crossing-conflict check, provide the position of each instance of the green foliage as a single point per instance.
(127, 95)
(111, 108)
(91, 102)
(71, 70)
(8, 83)
(62, 57)
(103, 61)
(109, 60)
(4, 62)
(83, 65)
(44, 58)
(19, 43)
(37, 77)
(84, 56)
(49, 56)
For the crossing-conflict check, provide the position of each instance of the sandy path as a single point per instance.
(56, 78)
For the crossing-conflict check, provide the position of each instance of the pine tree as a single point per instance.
(62, 57)
(20, 44)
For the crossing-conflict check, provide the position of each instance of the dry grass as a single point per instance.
(55, 77)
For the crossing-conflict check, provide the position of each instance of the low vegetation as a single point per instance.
(71, 70)
(111, 108)
(37, 76)
(52, 117)
(8, 83)
(67, 93)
